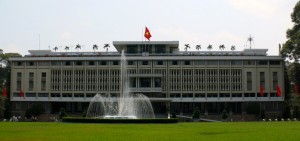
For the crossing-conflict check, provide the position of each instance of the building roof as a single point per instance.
(119, 45)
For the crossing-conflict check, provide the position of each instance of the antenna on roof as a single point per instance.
(39, 43)
(250, 39)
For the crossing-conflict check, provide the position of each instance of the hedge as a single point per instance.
(99, 120)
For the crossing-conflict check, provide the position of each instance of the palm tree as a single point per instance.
(209, 47)
(232, 47)
(106, 46)
(67, 48)
(55, 48)
(186, 47)
(198, 47)
(77, 47)
(95, 47)
(222, 47)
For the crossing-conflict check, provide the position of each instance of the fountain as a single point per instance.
(127, 106)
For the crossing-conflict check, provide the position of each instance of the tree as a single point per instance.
(198, 47)
(4, 58)
(67, 48)
(2, 106)
(5, 79)
(292, 102)
(95, 47)
(224, 114)
(232, 47)
(209, 47)
(106, 46)
(291, 48)
(196, 113)
(78, 47)
(55, 48)
(222, 47)
(186, 47)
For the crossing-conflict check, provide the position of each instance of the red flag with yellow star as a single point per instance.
(147, 34)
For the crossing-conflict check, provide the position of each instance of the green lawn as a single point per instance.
(204, 131)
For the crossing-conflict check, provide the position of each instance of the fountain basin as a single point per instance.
(120, 117)
(110, 120)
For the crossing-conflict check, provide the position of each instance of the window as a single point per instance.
(55, 63)
(212, 62)
(31, 77)
(160, 48)
(174, 62)
(130, 62)
(115, 62)
(31, 63)
(145, 63)
(224, 63)
(147, 48)
(19, 63)
(262, 79)
(249, 81)
(157, 82)
(274, 62)
(91, 63)
(79, 63)
(145, 82)
(19, 78)
(236, 62)
(43, 81)
(275, 81)
(199, 62)
(132, 82)
(262, 62)
(132, 49)
(102, 63)
(68, 63)
(160, 62)
(187, 62)
(249, 62)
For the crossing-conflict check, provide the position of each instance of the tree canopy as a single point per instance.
(291, 48)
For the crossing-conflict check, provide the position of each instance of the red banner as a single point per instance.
(21, 93)
(261, 90)
(147, 34)
(4, 91)
(278, 91)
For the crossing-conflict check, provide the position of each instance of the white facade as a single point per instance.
(156, 69)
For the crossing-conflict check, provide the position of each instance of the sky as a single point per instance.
(43, 24)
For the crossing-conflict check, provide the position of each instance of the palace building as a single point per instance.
(176, 81)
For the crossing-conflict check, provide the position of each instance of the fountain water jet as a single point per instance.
(128, 105)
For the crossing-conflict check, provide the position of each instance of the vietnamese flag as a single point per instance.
(278, 91)
(21, 93)
(261, 90)
(4, 91)
(296, 90)
(147, 34)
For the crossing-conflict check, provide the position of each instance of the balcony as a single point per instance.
(146, 89)
(144, 75)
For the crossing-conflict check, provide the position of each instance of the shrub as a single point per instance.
(173, 115)
(262, 114)
(35, 110)
(62, 113)
(196, 113)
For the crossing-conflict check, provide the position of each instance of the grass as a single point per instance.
(231, 131)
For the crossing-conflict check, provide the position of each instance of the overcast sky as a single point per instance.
(88, 22)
